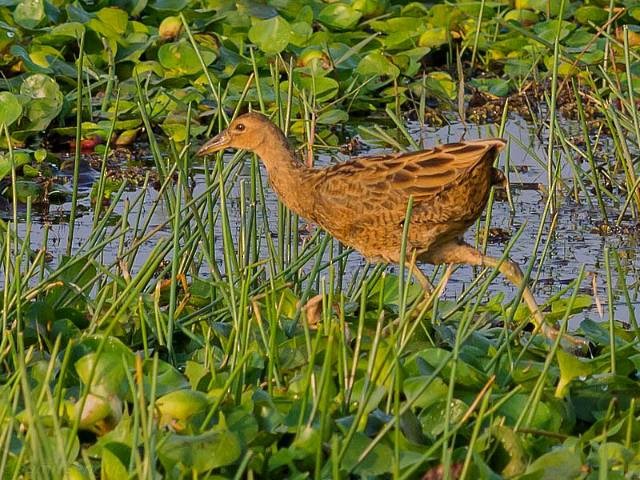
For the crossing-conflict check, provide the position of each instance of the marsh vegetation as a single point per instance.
(164, 316)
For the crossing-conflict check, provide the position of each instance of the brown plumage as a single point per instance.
(363, 202)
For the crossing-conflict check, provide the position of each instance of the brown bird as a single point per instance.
(363, 202)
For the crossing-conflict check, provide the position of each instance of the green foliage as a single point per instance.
(384, 43)
(201, 360)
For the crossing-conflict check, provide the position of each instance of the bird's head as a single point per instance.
(247, 132)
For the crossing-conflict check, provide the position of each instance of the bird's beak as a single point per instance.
(217, 143)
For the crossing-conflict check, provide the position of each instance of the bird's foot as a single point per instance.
(576, 345)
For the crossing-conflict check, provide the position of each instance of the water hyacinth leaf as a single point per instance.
(332, 117)
(65, 329)
(525, 17)
(45, 103)
(175, 131)
(79, 273)
(390, 294)
(545, 417)
(115, 461)
(398, 40)
(284, 457)
(432, 418)
(11, 109)
(29, 13)
(339, 16)
(591, 14)
(25, 190)
(45, 56)
(200, 452)
(145, 69)
(434, 37)
(516, 68)
(544, 6)
(267, 415)
(242, 422)
(409, 25)
(465, 374)
(308, 440)
(560, 463)
(300, 33)
(370, 8)
(177, 408)
(421, 396)
(167, 379)
(571, 367)
(374, 464)
(441, 85)
(494, 86)
(581, 38)
(105, 370)
(377, 64)
(100, 413)
(324, 88)
(111, 23)
(41, 313)
(29, 171)
(170, 28)
(271, 35)
(168, 5)
(256, 9)
(373, 398)
(560, 306)
(513, 453)
(547, 30)
(29, 65)
(115, 17)
(617, 455)
(181, 59)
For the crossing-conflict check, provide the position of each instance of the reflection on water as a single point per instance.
(573, 242)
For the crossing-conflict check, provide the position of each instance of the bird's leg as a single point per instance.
(512, 271)
(422, 279)
(456, 252)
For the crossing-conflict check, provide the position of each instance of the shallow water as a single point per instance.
(572, 244)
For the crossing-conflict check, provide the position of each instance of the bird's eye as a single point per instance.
(240, 127)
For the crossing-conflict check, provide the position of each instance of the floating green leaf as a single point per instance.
(494, 86)
(11, 108)
(591, 14)
(375, 463)
(181, 59)
(434, 37)
(271, 35)
(29, 13)
(570, 368)
(560, 463)
(377, 64)
(200, 452)
(339, 16)
(45, 100)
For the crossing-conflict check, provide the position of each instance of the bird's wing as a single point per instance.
(385, 183)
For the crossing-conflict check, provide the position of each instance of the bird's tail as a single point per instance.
(498, 178)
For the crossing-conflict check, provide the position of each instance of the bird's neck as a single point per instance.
(289, 177)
